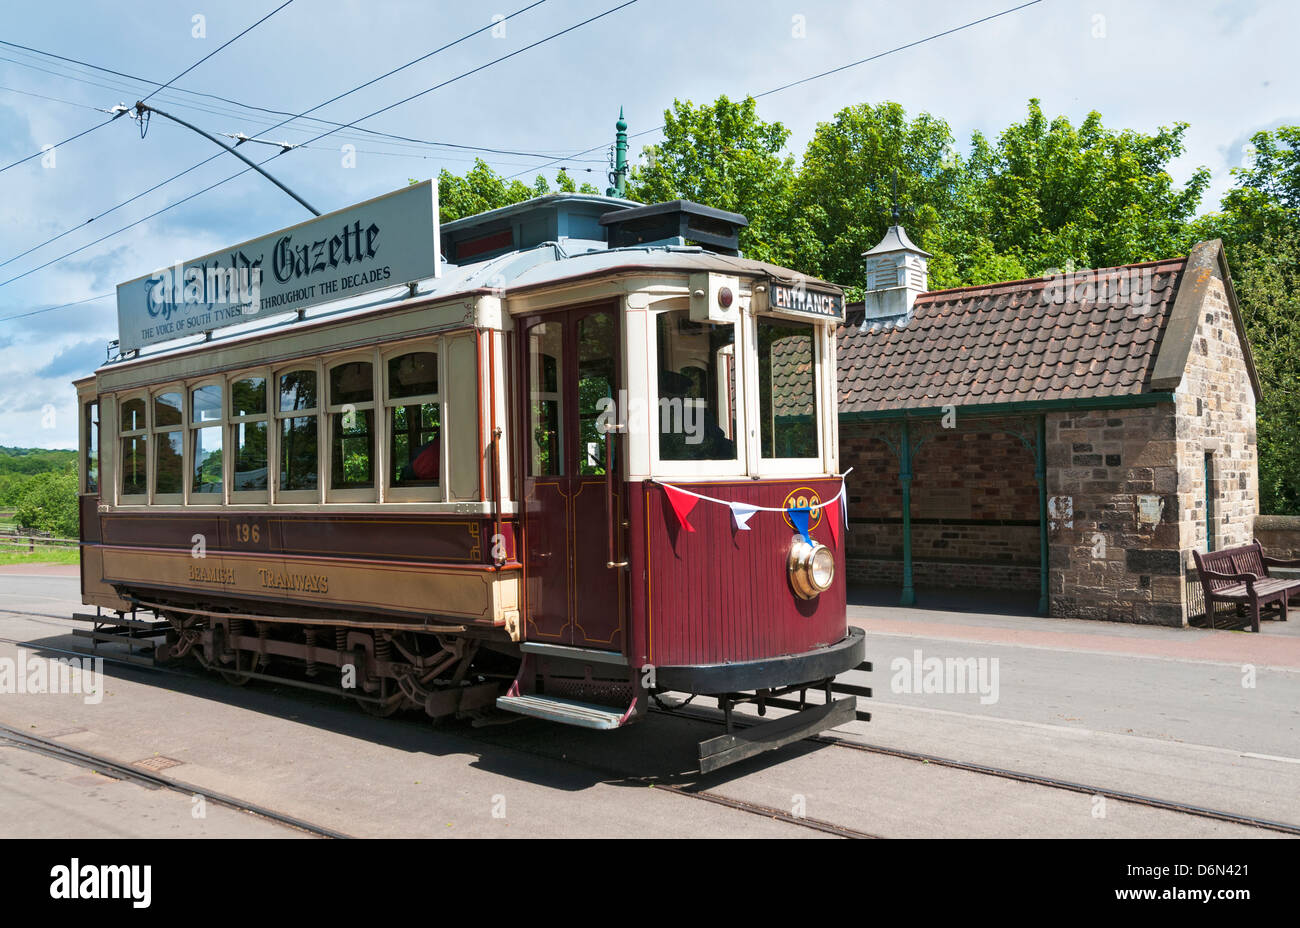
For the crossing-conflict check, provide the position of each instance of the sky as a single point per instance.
(1227, 69)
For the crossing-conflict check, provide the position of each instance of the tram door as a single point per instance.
(572, 375)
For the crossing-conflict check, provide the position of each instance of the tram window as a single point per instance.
(133, 413)
(207, 474)
(133, 465)
(352, 394)
(697, 389)
(597, 350)
(169, 466)
(298, 453)
(135, 481)
(787, 389)
(90, 460)
(249, 433)
(207, 403)
(414, 420)
(167, 409)
(545, 348)
(298, 433)
(250, 457)
(248, 397)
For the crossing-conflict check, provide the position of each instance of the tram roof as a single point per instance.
(526, 269)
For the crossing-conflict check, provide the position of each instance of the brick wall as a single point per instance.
(974, 504)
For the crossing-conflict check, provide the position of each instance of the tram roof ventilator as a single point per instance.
(579, 223)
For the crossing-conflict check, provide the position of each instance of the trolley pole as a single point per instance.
(618, 176)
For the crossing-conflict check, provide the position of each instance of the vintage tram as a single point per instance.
(589, 460)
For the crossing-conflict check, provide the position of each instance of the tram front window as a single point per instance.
(787, 389)
(697, 389)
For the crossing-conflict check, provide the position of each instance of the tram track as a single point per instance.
(1168, 805)
(133, 774)
(124, 771)
(706, 795)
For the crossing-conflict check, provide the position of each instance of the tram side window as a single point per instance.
(352, 411)
(414, 420)
(248, 435)
(787, 389)
(546, 414)
(133, 464)
(169, 444)
(207, 475)
(90, 460)
(297, 415)
(697, 389)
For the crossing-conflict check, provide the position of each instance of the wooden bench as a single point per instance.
(1240, 576)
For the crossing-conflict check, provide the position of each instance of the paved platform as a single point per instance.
(1000, 618)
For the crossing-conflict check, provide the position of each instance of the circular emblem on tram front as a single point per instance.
(803, 496)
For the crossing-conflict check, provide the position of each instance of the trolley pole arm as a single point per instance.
(141, 108)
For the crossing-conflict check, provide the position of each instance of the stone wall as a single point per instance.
(1113, 533)
(1280, 536)
(1216, 417)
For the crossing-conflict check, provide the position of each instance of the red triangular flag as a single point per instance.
(831, 513)
(682, 504)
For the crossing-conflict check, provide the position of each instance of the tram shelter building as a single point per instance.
(1074, 436)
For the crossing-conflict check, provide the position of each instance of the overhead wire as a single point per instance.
(813, 77)
(384, 109)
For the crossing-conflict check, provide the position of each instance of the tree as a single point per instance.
(722, 155)
(1268, 286)
(49, 503)
(846, 184)
(480, 190)
(1048, 195)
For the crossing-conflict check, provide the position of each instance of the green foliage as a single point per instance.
(33, 460)
(723, 155)
(48, 503)
(1268, 286)
(1048, 195)
(848, 176)
(480, 190)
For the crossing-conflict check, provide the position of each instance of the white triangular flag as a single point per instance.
(741, 513)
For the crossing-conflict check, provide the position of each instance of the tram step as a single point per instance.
(567, 711)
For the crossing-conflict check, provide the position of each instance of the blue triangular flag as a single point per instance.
(799, 516)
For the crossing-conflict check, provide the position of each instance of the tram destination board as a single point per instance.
(384, 242)
(801, 300)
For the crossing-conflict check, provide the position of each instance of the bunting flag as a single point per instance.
(740, 513)
(682, 504)
(799, 516)
(832, 511)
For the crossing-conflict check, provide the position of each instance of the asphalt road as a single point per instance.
(1181, 729)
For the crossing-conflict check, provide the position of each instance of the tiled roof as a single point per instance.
(792, 375)
(1046, 339)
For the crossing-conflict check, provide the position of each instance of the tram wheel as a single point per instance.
(380, 710)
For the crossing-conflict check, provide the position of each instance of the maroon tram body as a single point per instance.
(538, 565)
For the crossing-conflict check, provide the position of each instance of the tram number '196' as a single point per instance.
(246, 533)
(799, 499)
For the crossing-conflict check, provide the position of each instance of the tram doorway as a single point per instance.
(574, 496)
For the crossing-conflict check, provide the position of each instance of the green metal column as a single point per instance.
(1040, 474)
(618, 177)
(905, 478)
